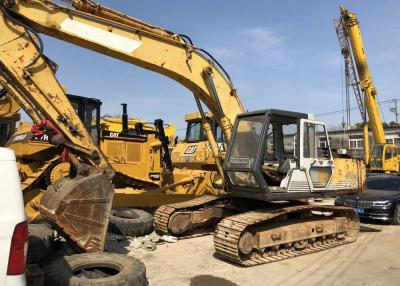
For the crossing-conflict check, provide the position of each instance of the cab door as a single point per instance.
(315, 157)
(390, 162)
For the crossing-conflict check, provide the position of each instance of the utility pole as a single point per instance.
(395, 110)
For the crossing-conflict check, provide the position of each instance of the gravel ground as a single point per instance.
(373, 260)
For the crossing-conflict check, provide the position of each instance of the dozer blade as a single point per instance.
(79, 208)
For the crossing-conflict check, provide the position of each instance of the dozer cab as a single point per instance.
(193, 157)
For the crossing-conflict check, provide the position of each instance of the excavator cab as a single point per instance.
(278, 155)
(384, 157)
(88, 110)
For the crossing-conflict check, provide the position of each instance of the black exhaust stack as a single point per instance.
(124, 118)
(159, 124)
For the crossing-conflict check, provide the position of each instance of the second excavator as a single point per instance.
(264, 216)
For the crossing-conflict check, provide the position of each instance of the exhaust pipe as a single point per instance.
(124, 118)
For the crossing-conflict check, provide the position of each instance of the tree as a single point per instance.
(359, 125)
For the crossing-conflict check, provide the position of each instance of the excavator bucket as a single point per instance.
(79, 208)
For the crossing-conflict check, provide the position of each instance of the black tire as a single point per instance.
(98, 269)
(40, 242)
(396, 216)
(130, 222)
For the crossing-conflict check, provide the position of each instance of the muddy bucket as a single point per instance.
(79, 208)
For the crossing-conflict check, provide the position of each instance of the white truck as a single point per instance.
(13, 223)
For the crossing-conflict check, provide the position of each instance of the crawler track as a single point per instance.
(164, 213)
(230, 230)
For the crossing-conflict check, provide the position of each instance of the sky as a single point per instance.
(280, 54)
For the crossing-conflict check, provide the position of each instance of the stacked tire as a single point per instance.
(130, 222)
(40, 242)
(100, 269)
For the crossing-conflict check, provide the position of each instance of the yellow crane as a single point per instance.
(258, 169)
(384, 156)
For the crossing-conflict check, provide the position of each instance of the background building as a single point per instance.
(352, 140)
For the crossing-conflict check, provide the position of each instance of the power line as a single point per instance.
(351, 109)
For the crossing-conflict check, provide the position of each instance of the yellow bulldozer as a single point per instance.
(132, 146)
(40, 162)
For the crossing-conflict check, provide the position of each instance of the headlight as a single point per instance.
(382, 203)
(339, 201)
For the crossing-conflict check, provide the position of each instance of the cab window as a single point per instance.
(91, 121)
(311, 147)
(219, 136)
(195, 132)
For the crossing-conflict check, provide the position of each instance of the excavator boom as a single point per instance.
(28, 77)
(130, 40)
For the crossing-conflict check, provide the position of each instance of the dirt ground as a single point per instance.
(373, 260)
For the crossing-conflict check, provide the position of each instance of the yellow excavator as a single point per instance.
(260, 168)
(195, 172)
(384, 156)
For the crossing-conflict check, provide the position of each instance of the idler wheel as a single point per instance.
(246, 243)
